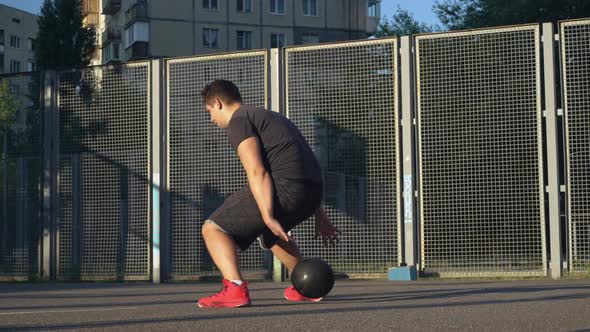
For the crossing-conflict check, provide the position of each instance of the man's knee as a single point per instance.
(209, 226)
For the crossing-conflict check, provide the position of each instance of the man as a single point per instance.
(284, 189)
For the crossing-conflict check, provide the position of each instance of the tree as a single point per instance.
(8, 107)
(469, 14)
(62, 40)
(402, 23)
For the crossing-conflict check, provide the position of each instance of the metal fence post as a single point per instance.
(552, 150)
(4, 230)
(407, 151)
(76, 162)
(47, 235)
(275, 88)
(155, 154)
(20, 202)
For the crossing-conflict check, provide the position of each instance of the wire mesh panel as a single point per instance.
(343, 98)
(20, 175)
(479, 119)
(202, 167)
(575, 48)
(104, 173)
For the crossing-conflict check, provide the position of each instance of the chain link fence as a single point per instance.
(480, 152)
(575, 58)
(20, 173)
(343, 98)
(202, 168)
(103, 226)
(480, 157)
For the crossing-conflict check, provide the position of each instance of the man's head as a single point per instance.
(222, 98)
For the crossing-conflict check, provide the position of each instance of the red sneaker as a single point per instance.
(231, 296)
(291, 294)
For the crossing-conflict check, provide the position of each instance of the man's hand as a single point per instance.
(325, 230)
(276, 228)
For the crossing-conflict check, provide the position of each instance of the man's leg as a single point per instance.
(223, 250)
(288, 253)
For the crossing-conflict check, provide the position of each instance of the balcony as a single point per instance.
(90, 12)
(90, 7)
(373, 15)
(92, 20)
(137, 12)
(372, 25)
(110, 35)
(139, 50)
(111, 7)
(110, 52)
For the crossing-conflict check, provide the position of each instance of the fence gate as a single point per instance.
(480, 152)
(575, 59)
(104, 190)
(202, 168)
(343, 98)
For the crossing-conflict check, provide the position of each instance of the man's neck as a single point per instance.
(234, 107)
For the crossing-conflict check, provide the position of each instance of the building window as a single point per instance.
(373, 10)
(16, 20)
(1, 63)
(277, 40)
(1, 37)
(210, 4)
(31, 66)
(105, 53)
(310, 39)
(130, 36)
(13, 87)
(14, 41)
(32, 44)
(116, 50)
(310, 7)
(111, 52)
(137, 32)
(14, 66)
(277, 7)
(244, 40)
(210, 37)
(245, 6)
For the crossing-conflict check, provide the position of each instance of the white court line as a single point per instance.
(62, 311)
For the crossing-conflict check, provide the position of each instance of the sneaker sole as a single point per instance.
(247, 304)
(310, 300)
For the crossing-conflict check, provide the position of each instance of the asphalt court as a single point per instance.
(353, 305)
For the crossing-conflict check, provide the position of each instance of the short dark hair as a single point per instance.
(226, 91)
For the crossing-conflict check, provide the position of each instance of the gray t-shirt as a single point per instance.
(285, 152)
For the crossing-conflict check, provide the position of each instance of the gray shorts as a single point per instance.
(239, 215)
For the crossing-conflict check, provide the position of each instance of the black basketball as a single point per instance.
(313, 278)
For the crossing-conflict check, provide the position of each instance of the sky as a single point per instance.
(421, 9)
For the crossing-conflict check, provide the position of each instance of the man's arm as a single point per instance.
(260, 183)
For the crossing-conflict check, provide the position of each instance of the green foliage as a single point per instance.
(401, 23)
(470, 14)
(8, 106)
(62, 41)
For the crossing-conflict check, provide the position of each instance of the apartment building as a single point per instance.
(139, 29)
(18, 30)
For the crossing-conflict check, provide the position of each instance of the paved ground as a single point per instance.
(534, 305)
